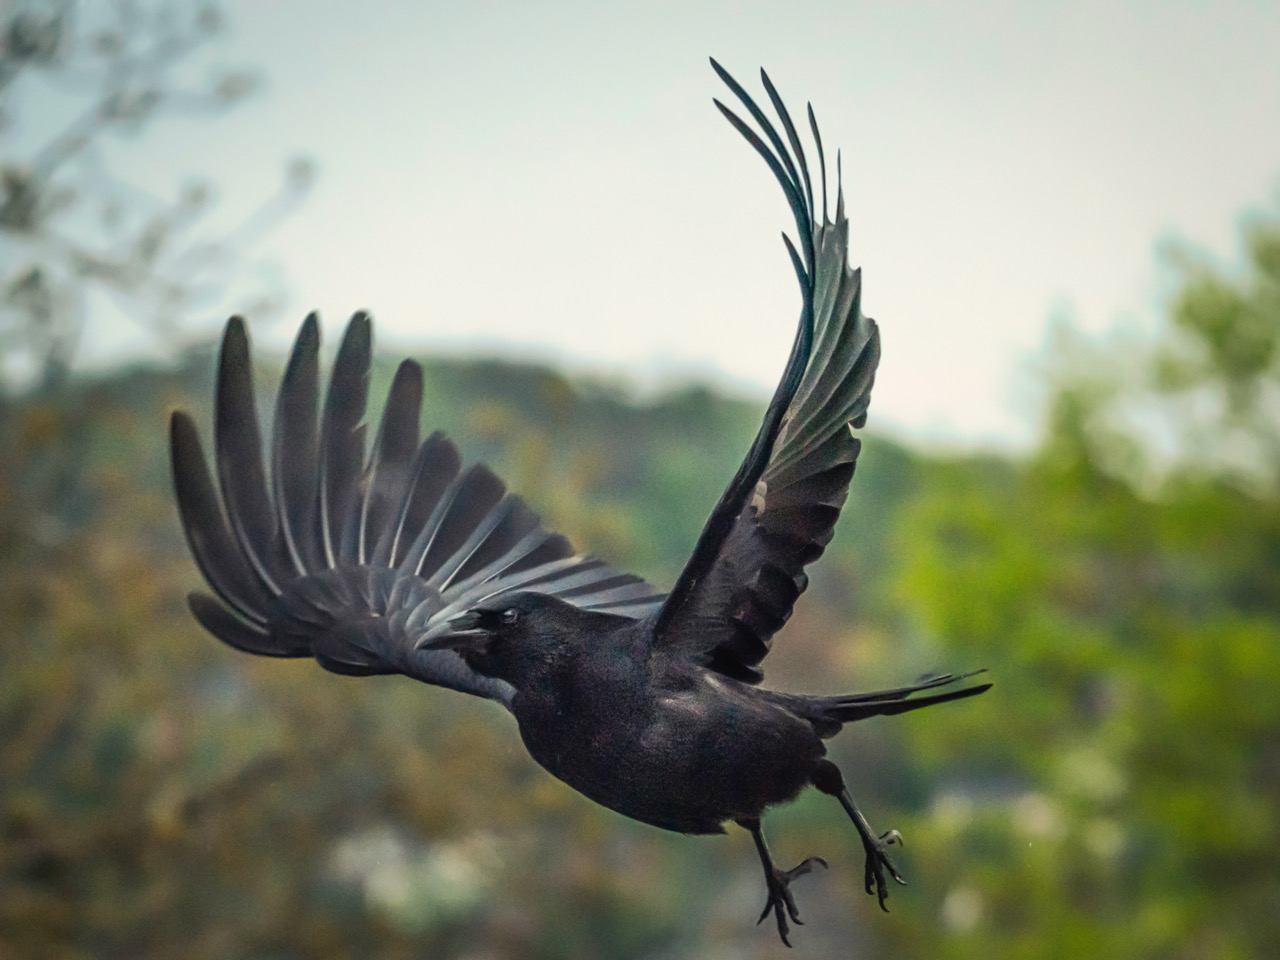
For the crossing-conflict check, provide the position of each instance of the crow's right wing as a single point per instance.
(359, 563)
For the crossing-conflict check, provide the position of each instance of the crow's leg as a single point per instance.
(827, 778)
(778, 881)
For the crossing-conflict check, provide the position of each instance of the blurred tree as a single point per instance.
(1115, 794)
(75, 80)
(1130, 805)
(70, 224)
(1200, 398)
(1223, 354)
(87, 755)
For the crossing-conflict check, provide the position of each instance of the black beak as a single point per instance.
(467, 623)
(465, 635)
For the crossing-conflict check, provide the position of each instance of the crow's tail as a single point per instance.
(828, 714)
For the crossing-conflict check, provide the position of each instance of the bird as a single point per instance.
(396, 559)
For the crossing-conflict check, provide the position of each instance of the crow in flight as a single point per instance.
(405, 562)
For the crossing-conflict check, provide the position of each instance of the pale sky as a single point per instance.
(551, 180)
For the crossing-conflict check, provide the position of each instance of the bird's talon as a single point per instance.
(877, 862)
(780, 898)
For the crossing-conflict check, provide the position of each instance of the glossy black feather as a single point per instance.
(342, 442)
(238, 449)
(212, 544)
(797, 149)
(461, 507)
(887, 703)
(779, 511)
(390, 467)
(494, 537)
(295, 450)
(359, 563)
(434, 467)
(239, 633)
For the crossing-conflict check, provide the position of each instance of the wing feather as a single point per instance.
(393, 453)
(780, 510)
(707, 552)
(356, 563)
(342, 441)
(463, 505)
(237, 632)
(238, 451)
(436, 465)
(295, 450)
(214, 547)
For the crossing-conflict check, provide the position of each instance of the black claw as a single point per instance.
(877, 862)
(827, 778)
(780, 898)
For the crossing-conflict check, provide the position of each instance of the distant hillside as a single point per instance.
(162, 795)
(632, 481)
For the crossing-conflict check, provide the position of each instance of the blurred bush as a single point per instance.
(1117, 792)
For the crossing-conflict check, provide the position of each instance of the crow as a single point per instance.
(400, 561)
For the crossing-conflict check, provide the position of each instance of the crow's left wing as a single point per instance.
(778, 512)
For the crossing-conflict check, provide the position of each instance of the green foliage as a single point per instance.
(1137, 640)
(1116, 795)
(1226, 336)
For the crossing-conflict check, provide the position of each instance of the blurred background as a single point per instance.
(1069, 220)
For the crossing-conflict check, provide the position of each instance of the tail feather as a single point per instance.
(829, 713)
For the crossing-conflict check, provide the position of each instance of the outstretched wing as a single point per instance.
(779, 511)
(358, 562)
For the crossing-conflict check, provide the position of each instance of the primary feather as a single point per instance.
(357, 563)
(779, 512)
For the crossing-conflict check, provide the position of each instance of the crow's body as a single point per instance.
(406, 563)
(697, 749)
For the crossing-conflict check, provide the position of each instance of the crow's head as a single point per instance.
(517, 636)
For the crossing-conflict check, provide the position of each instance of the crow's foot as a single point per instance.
(878, 861)
(780, 901)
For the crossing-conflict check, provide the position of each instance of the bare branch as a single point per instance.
(69, 223)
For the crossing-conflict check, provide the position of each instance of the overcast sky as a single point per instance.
(551, 180)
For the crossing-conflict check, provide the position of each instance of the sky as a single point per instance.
(551, 181)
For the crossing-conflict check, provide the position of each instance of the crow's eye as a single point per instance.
(509, 616)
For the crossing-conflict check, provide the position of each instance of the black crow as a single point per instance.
(405, 562)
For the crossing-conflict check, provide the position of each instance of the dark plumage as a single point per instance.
(646, 702)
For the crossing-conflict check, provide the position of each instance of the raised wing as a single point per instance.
(358, 562)
(779, 511)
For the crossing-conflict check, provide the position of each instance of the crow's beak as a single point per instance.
(465, 635)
